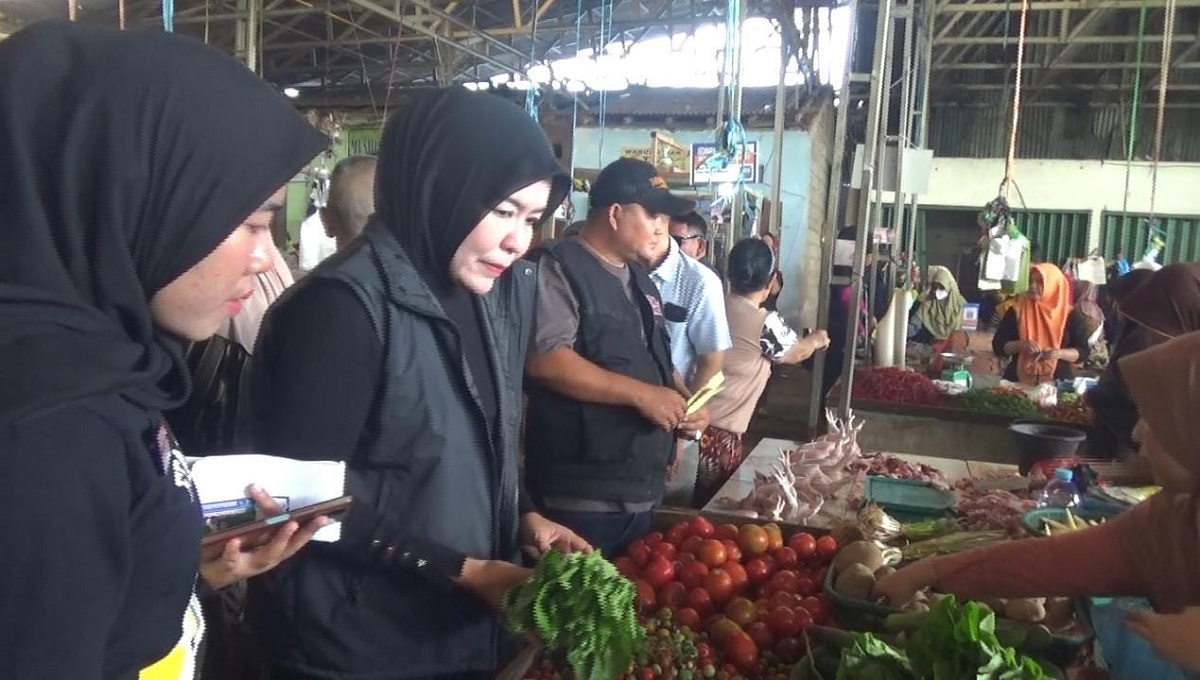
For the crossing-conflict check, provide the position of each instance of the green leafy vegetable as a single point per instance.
(581, 604)
(870, 658)
(957, 642)
(952, 642)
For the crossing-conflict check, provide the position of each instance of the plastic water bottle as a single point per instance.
(1060, 492)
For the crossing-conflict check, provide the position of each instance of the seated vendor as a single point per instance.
(1043, 334)
(1150, 551)
(937, 316)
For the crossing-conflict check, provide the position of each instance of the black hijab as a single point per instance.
(445, 160)
(128, 157)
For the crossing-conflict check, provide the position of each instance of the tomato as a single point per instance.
(826, 548)
(758, 570)
(765, 591)
(817, 607)
(804, 620)
(688, 617)
(646, 674)
(700, 526)
(753, 540)
(786, 581)
(785, 600)
(653, 538)
(741, 611)
(659, 571)
(775, 536)
(732, 552)
(789, 650)
(712, 553)
(645, 596)
(741, 651)
(783, 622)
(639, 552)
(672, 595)
(819, 577)
(764, 607)
(627, 568)
(677, 533)
(726, 532)
(785, 558)
(804, 544)
(699, 600)
(693, 574)
(741, 581)
(685, 557)
(761, 633)
(719, 585)
(721, 628)
(691, 544)
(665, 550)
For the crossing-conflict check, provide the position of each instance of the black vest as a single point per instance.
(595, 451)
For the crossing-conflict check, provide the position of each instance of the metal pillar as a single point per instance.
(921, 112)
(247, 31)
(876, 128)
(832, 223)
(777, 141)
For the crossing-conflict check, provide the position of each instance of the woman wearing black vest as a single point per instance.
(403, 356)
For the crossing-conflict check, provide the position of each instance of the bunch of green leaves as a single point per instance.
(580, 604)
(869, 658)
(957, 642)
(1003, 402)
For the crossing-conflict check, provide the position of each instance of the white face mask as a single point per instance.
(941, 294)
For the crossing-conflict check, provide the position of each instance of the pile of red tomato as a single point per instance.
(752, 594)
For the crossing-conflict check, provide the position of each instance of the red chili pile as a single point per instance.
(897, 385)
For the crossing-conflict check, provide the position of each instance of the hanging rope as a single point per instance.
(1134, 106)
(1164, 69)
(71, 10)
(168, 15)
(575, 103)
(121, 14)
(531, 95)
(207, 19)
(1010, 160)
(606, 12)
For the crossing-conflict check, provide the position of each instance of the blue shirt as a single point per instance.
(688, 284)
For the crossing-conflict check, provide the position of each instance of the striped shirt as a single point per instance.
(694, 306)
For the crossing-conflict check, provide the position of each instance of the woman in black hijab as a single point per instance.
(138, 175)
(403, 355)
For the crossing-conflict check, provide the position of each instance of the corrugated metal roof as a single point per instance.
(1066, 132)
(690, 102)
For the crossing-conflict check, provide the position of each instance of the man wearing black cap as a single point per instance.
(605, 403)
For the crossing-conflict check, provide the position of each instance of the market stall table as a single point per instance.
(837, 509)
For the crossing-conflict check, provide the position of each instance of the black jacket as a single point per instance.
(427, 465)
(600, 452)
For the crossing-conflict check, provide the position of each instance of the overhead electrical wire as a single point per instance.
(1134, 105)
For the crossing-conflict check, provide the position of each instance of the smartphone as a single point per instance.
(257, 533)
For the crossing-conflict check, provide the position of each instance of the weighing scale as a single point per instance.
(954, 369)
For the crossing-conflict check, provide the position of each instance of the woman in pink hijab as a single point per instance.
(1151, 551)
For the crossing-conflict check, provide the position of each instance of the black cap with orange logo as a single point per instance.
(628, 180)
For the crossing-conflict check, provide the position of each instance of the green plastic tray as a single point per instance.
(908, 500)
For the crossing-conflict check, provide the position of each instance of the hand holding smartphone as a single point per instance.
(260, 532)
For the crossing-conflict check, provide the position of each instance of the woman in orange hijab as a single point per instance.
(1043, 334)
(1151, 551)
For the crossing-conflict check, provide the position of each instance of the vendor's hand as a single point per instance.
(1031, 347)
(539, 535)
(694, 424)
(662, 406)
(490, 580)
(1173, 636)
(899, 587)
(234, 564)
(818, 340)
